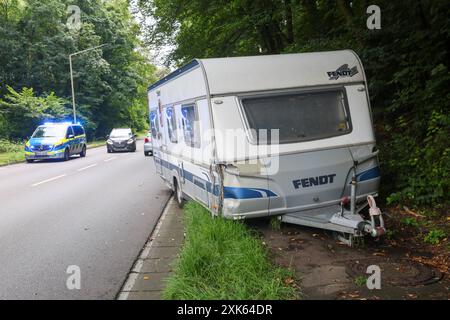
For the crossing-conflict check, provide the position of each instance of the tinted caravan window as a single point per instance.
(171, 124)
(298, 117)
(190, 125)
(154, 124)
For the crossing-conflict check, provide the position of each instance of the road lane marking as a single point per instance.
(88, 167)
(48, 180)
(109, 159)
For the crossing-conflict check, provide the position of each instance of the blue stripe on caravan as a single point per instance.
(368, 174)
(199, 184)
(246, 193)
(229, 192)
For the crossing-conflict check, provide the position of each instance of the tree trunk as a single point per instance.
(289, 23)
(346, 10)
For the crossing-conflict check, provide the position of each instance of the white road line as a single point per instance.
(49, 180)
(109, 159)
(85, 168)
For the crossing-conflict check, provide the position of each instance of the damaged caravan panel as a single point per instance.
(283, 135)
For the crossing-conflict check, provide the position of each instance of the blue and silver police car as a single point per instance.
(56, 141)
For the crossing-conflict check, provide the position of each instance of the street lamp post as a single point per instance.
(71, 76)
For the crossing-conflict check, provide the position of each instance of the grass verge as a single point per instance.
(96, 144)
(222, 259)
(12, 153)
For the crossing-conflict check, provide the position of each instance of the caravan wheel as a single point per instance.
(178, 193)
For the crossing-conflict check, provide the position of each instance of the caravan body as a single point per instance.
(267, 135)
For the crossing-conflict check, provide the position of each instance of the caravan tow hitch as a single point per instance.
(357, 225)
(376, 227)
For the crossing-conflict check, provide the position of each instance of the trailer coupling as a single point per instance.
(376, 226)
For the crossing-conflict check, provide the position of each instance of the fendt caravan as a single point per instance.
(279, 135)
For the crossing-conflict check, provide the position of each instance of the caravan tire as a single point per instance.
(178, 193)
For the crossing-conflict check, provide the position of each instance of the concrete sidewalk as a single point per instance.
(154, 264)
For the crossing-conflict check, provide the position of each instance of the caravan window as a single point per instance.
(154, 124)
(190, 126)
(171, 124)
(298, 117)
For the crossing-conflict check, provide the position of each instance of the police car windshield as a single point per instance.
(120, 134)
(50, 132)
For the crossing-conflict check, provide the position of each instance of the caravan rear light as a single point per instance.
(345, 201)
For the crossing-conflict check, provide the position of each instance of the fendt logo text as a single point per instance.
(342, 71)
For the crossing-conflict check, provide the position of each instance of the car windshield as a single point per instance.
(120, 133)
(50, 132)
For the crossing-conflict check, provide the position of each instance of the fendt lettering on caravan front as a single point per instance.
(280, 135)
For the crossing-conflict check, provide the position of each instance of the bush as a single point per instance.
(8, 146)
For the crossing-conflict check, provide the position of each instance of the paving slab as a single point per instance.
(147, 278)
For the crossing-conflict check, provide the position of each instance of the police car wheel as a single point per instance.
(83, 152)
(66, 155)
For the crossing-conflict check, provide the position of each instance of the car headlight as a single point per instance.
(130, 141)
(109, 141)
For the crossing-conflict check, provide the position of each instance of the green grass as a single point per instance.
(11, 157)
(96, 143)
(11, 152)
(222, 259)
(360, 281)
(434, 236)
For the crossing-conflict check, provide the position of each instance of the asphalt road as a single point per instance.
(95, 213)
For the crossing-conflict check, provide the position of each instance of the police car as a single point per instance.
(56, 141)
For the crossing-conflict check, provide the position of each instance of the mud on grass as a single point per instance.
(223, 259)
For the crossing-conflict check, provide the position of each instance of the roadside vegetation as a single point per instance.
(11, 152)
(110, 83)
(223, 259)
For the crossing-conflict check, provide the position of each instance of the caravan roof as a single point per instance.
(273, 72)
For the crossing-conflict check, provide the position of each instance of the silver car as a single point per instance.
(148, 145)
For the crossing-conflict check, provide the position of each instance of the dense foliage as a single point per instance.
(110, 83)
(406, 62)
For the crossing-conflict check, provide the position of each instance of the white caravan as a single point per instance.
(280, 135)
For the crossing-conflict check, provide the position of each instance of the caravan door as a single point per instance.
(156, 140)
